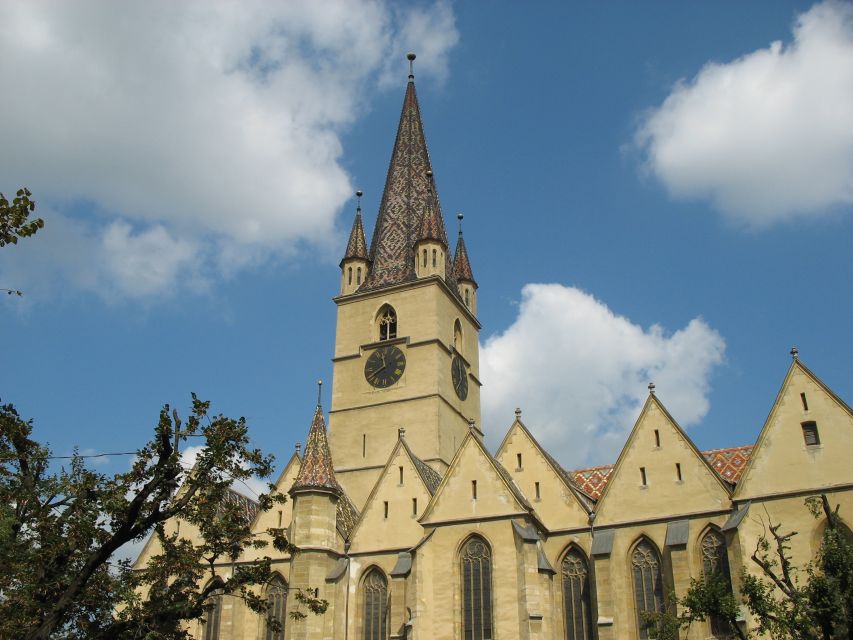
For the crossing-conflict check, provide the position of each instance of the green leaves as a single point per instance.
(14, 216)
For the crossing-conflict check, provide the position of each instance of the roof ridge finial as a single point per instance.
(299, 449)
(401, 433)
(358, 195)
(795, 353)
(411, 58)
(319, 393)
(460, 216)
(518, 413)
(651, 388)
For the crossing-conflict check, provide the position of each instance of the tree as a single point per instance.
(59, 529)
(783, 605)
(14, 222)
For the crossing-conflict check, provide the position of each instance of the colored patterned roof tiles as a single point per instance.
(729, 463)
(346, 516)
(317, 471)
(357, 245)
(404, 200)
(461, 263)
(431, 228)
(247, 506)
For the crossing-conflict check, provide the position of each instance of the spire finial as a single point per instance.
(358, 195)
(299, 448)
(652, 388)
(795, 353)
(411, 58)
(471, 424)
(401, 432)
(518, 413)
(319, 391)
(460, 216)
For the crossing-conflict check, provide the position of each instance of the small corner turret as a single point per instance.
(462, 272)
(430, 246)
(355, 262)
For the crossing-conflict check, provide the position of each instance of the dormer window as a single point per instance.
(387, 323)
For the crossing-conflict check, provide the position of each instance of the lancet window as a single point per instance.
(648, 582)
(577, 601)
(476, 590)
(387, 323)
(715, 564)
(375, 598)
(276, 608)
(212, 614)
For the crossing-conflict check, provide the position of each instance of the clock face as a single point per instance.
(460, 377)
(384, 367)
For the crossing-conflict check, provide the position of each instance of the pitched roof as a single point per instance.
(404, 200)
(346, 515)
(461, 263)
(728, 463)
(357, 245)
(317, 470)
(430, 476)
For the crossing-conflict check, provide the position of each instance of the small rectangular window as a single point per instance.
(518, 456)
(363, 445)
(643, 475)
(279, 519)
(386, 509)
(414, 506)
(678, 470)
(810, 434)
(805, 402)
(474, 489)
(657, 438)
(401, 475)
(538, 496)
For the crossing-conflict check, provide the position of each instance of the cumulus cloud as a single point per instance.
(580, 372)
(768, 136)
(214, 122)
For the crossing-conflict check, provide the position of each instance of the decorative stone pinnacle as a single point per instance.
(401, 432)
(652, 388)
(795, 353)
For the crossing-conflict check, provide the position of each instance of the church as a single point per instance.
(409, 527)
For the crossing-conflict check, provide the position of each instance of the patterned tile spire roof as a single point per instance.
(404, 200)
(357, 245)
(461, 263)
(431, 227)
(317, 470)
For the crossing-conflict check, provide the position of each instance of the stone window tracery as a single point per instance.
(577, 601)
(276, 608)
(212, 615)
(375, 590)
(476, 590)
(387, 323)
(715, 562)
(648, 582)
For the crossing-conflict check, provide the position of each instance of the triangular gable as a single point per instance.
(496, 492)
(559, 503)
(397, 527)
(677, 475)
(781, 460)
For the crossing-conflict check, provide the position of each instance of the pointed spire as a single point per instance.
(357, 245)
(404, 201)
(461, 263)
(317, 471)
(431, 227)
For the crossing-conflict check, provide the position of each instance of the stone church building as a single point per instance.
(411, 528)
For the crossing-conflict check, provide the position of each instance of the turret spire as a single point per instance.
(357, 245)
(317, 471)
(431, 226)
(461, 264)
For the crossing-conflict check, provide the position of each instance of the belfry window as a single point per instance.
(375, 597)
(577, 601)
(425, 257)
(476, 590)
(715, 565)
(276, 608)
(358, 276)
(648, 583)
(387, 323)
(467, 299)
(434, 258)
(349, 275)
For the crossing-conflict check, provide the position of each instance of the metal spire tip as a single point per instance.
(319, 391)
(411, 58)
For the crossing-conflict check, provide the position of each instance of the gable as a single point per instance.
(659, 471)
(782, 461)
(554, 502)
(495, 493)
(389, 519)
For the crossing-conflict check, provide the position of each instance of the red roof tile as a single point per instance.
(317, 471)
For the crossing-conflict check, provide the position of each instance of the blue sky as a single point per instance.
(652, 191)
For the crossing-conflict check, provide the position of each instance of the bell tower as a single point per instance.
(406, 344)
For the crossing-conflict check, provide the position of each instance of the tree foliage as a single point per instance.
(15, 223)
(60, 528)
(787, 602)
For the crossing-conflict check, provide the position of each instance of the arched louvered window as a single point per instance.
(577, 601)
(276, 608)
(387, 323)
(648, 582)
(715, 562)
(375, 589)
(212, 614)
(476, 590)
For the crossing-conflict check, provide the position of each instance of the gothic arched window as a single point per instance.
(467, 300)
(425, 257)
(387, 323)
(476, 590)
(457, 336)
(434, 258)
(358, 279)
(212, 614)
(648, 582)
(577, 600)
(715, 562)
(375, 590)
(276, 608)
(349, 275)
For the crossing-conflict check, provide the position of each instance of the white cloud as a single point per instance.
(580, 372)
(768, 136)
(214, 122)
